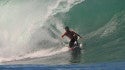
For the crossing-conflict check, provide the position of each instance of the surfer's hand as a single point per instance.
(62, 36)
(81, 38)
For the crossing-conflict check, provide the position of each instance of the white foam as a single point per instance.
(20, 20)
(37, 54)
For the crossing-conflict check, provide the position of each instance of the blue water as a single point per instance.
(102, 66)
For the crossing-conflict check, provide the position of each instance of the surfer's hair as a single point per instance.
(67, 28)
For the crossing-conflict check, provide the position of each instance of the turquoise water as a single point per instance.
(102, 23)
(30, 31)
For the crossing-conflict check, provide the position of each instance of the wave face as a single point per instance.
(102, 23)
(31, 29)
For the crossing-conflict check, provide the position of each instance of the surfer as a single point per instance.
(73, 36)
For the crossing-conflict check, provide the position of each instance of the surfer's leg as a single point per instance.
(71, 43)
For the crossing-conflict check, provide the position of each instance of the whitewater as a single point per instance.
(30, 28)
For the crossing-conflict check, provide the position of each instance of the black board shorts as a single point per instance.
(71, 43)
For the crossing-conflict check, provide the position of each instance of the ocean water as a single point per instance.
(102, 66)
(30, 31)
(102, 24)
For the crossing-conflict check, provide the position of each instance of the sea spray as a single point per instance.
(30, 26)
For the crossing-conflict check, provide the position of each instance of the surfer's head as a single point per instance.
(67, 28)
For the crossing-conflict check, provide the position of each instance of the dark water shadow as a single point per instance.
(76, 55)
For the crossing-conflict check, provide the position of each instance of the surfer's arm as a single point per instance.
(63, 35)
(77, 34)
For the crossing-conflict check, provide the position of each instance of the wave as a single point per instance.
(101, 23)
(31, 28)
